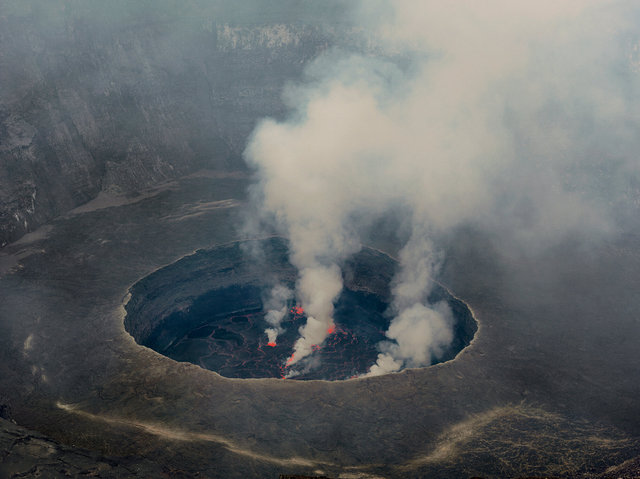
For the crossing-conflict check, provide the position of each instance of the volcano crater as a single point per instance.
(207, 309)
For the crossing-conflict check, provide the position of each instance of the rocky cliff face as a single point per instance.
(118, 97)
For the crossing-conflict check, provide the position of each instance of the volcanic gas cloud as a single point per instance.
(492, 115)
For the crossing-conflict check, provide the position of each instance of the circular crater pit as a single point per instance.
(207, 309)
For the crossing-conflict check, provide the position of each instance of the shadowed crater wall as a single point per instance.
(207, 309)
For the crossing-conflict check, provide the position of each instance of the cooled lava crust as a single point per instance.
(207, 309)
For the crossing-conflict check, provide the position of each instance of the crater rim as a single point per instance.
(465, 320)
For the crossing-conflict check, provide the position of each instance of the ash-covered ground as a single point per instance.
(533, 394)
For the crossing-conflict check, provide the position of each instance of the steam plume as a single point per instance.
(516, 116)
(276, 305)
(420, 332)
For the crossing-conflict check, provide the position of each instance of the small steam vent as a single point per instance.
(234, 312)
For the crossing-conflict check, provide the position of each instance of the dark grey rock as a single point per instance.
(104, 98)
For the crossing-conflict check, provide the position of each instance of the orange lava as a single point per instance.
(297, 310)
(332, 329)
(290, 359)
(273, 345)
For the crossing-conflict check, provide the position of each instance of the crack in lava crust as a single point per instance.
(236, 346)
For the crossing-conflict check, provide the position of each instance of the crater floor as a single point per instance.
(223, 328)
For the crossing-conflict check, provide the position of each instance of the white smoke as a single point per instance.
(318, 287)
(419, 332)
(516, 116)
(276, 305)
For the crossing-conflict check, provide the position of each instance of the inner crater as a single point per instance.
(207, 309)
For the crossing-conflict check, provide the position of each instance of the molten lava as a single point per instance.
(290, 360)
(332, 329)
(273, 345)
(297, 310)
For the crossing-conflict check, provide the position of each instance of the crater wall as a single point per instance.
(116, 97)
(207, 308)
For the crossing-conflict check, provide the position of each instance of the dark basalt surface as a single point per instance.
(25, 453)
(189, 311)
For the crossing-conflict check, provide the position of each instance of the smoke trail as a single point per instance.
(276, 306)
(517, 117)
(318, 288)
(418, 335)
(419, 331)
